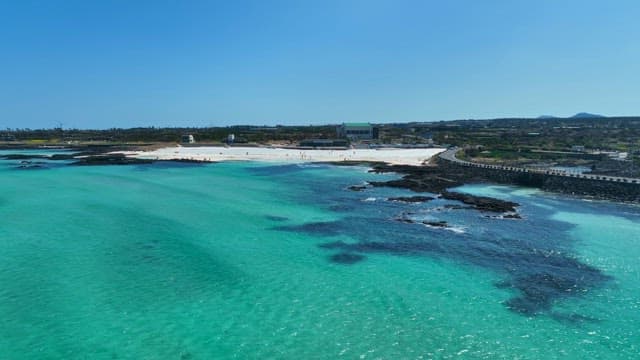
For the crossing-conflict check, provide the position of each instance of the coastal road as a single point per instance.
(450, 155)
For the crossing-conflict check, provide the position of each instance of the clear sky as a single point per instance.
(102, 64)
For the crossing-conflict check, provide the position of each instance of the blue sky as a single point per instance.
(102, 64)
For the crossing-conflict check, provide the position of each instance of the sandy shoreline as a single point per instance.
(214, 154)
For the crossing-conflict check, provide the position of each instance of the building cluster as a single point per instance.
(7, 137)
(615, 155)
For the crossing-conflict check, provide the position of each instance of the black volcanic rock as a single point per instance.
(438, 179)
(357, 187)
(411, 199)
(404, 217)
(481, 202)
(62, 156)
(419, 178)
(110, 159)
(442, 224)
(418, 183)
(22, 156)
(405, 220)
(456, 207)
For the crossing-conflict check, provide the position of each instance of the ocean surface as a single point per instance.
(283, 261)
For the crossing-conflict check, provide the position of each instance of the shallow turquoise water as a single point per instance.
(246, 260)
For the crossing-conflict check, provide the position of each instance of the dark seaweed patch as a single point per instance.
(535, 257)
(539, 290)
(573, 319)
(341, 207)
(33, 165)
(276, 218)
(316, 228)
(540, 275)
(346, 258)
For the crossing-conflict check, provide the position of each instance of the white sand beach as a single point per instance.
(213, 154)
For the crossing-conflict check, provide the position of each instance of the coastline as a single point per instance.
(393, 156)
(420, 169)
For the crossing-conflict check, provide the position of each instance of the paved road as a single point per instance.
(450, 155)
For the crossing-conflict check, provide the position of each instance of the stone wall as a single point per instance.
(601, 188)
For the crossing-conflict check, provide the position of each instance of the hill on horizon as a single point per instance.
(584, 115)
(580, 115)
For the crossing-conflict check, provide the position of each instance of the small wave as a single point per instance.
(505, 216)
(370, 199)
(311, 165)
(457, 230)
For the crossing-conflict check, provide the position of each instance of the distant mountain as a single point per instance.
(584, 115)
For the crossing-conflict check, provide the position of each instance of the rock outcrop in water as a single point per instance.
(481, 203)
(411, 199)
(441, 224)
(110, 159)
(434, 179)
(418, 178)
(22, 157)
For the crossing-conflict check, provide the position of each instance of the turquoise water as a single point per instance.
(248, 260)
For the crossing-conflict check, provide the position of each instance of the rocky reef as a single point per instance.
(411, 199)
(438, 180)
(110, 159)
(481, 203)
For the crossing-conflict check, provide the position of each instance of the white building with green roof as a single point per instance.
(356, 131)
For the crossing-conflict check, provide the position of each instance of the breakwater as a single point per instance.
(597, 186)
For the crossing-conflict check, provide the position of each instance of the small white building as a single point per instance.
(188, 139)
